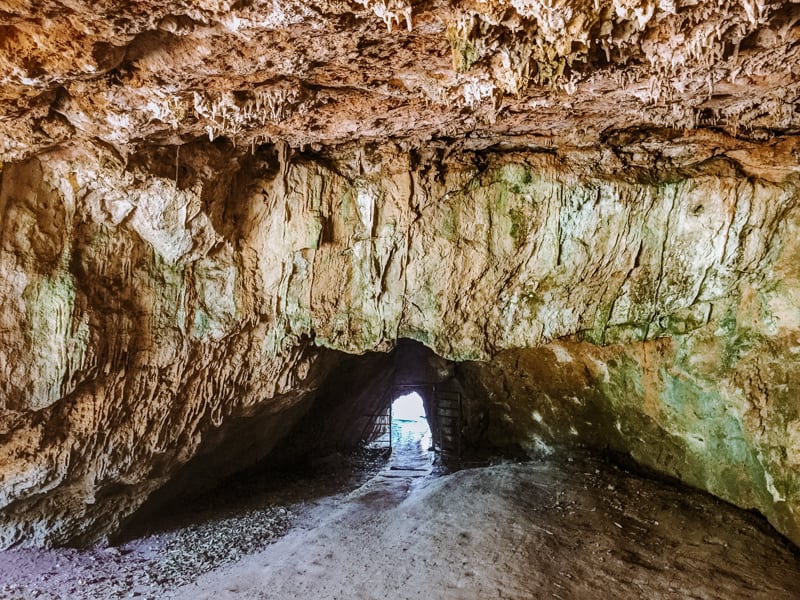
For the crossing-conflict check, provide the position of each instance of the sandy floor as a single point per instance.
(573, 528)
(242, 517)
(562, 528)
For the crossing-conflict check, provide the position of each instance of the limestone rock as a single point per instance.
(590, 208)
(132, 341)
(142, 72)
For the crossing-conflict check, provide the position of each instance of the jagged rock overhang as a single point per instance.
(327, 72)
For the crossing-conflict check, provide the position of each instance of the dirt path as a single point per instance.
(240, 518)
(563, 528)
(571, 529)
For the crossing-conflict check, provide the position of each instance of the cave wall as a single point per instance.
(698, 407)
(114, 368)
(148, 302)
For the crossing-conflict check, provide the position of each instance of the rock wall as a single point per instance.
(191, 300)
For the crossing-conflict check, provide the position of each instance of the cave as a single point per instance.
(352, 407)
(234, 232)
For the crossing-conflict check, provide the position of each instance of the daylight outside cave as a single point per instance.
(411, 433)
(233, 235)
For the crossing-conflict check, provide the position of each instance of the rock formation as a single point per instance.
(591, 209)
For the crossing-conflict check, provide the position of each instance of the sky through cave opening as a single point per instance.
(411, 434)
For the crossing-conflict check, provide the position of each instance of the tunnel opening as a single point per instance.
(362, 404)
(411, 440)
(365, 407)
(409, 420)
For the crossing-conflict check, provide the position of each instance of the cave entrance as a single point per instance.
(424, 412)
(411, 433)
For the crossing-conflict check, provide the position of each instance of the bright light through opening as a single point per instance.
(408, 407)
(410, 431)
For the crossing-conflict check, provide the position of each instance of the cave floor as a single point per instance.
(565, 527)
(571, 528)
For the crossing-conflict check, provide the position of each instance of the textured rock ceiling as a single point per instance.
(543, 72)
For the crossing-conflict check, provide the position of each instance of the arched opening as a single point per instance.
(411, 434)
(342, 427)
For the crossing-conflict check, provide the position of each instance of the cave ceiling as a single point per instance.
(539, 74)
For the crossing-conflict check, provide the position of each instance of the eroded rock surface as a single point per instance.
(322, 72)
(592, 207)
